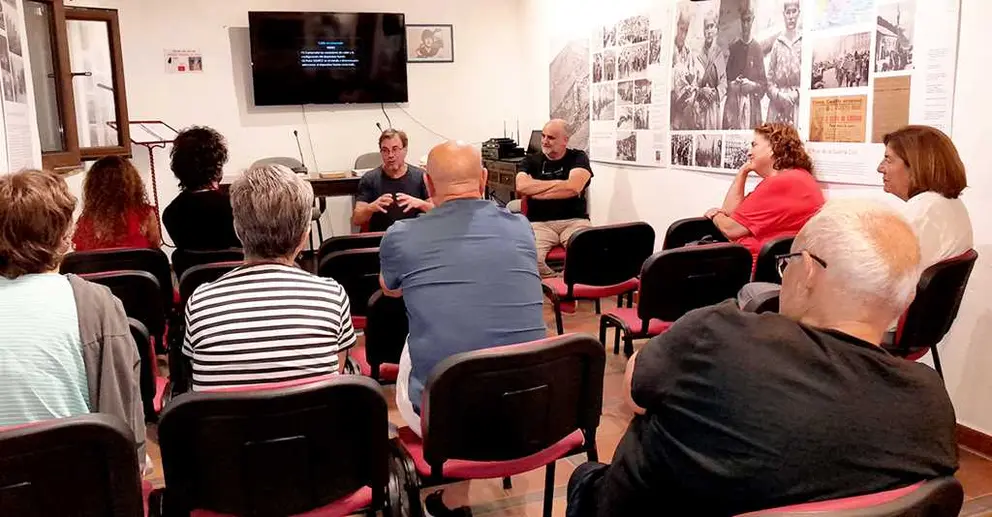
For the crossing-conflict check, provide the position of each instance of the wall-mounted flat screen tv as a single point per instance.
(327, 58)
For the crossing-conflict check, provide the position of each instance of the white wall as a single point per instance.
(660, 195)
(468, 99)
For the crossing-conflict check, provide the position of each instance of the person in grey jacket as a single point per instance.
(65, 343)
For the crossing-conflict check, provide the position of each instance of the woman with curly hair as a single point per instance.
(116, 212)
(786, 198)
(200, 218)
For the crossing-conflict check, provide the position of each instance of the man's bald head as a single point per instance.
(554, 138)
(873, 263)
(455, 169)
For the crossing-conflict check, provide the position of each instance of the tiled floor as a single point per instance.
(487, 498)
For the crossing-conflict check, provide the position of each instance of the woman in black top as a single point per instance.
(200, 218)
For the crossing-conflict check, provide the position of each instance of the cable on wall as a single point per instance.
(383, 106)
(306, 123)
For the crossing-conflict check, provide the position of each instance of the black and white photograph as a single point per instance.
(655, 54)
(609, 36)
(633, 61)
(430, 43)
(8, 86)
(597, 67)
(609, 65)
(3, 22)
(642, 91)
(841, 61)
(894, 36)
(4, 55)
(13, 31)
(736, 148)
(625, 117)
(625, 93)
(627, 146)
(641, 117)
(20, 82)
(709, 151)
(569, 78)
(736, 64)
(633, 30)
(604, 101)
(682, 150)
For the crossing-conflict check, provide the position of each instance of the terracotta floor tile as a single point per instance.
(975, 474)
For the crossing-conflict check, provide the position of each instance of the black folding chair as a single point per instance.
(503, 411)
(933, 311)
(386, 329)
(357, 270)
(601, 261)
(349, 242)
(765, 268)
(83, 465)
(940, 497)
(138, 292)
(691, 230)
(674, 282)
(152, 261)
(182, 259)
(152, 386)
(272, 451)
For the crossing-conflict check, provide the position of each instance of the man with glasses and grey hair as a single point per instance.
(737, 412)
(393, 191)
(268, 321)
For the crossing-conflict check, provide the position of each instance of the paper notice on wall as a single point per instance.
(932, 102)
(17, 108)
(845, 163)
(890, 111)
(183, 61)
(838, 119)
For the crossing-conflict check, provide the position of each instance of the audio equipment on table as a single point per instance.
(500, 149)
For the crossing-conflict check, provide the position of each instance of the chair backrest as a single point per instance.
(512, 401)
(941, 497)
(386, 328)
(676, 281)
(198, 275)
(349, 242)
(153, 261)
(765, 269)
(146, 379)
(280, 451)
(357, 270)
(938, 298)
(607, 255)
(368, 161)
(292, 163)
(139, 292)
(83, 465)
(691, 229)
(185, 259)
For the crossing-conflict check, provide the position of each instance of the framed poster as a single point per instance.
(430, 44)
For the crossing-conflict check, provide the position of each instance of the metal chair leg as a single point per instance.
(936, 361)
(507, 483)
(558, 322)
(598, 311)
(628, 345)
(549, 488)
(630, 300)
(602, 331)
(616, 341)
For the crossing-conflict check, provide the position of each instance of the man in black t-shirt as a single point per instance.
(392, 191)
(554, 182)
(737, 412)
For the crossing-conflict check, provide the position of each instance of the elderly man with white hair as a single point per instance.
(736, 412)
(268, 321)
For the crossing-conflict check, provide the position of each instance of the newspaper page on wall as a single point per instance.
(629, 90)
(843, 72)
(17, 90)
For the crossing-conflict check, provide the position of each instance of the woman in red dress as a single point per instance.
(116, 212)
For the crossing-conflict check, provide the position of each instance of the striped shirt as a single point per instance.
(266, 323)
(42, 375)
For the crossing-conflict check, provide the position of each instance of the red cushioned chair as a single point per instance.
(602, 261)
(941, 497)
(503, 411)
(555, 259)
(83, 465)
(386, 329)
(674, 282)
(691, 230)
(357, 270)
(766, 267)
(313, 447)
(151, 383)
(930, 316)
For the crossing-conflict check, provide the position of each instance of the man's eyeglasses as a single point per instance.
(781, 261)
(388, 151)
